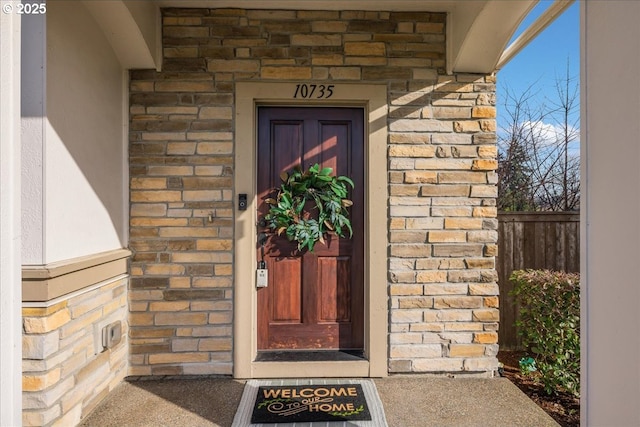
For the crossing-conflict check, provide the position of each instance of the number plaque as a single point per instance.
(313, 91)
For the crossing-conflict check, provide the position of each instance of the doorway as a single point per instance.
(370, 102)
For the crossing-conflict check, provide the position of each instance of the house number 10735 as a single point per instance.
(312, 91)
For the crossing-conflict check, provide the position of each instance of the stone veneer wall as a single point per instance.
(66, 372)
(443, 227)
(442, 157)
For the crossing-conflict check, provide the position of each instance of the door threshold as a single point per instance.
(310, 356)
(352, 368)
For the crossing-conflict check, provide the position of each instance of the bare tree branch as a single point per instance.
(539, 166)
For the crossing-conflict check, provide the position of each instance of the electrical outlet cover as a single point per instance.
(112, 334)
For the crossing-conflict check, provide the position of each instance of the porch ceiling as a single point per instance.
(477, 31)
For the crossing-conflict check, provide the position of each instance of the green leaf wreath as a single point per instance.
(287, 212)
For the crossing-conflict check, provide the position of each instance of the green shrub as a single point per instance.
(550, 325)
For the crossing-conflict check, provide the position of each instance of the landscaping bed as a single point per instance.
(562, 407)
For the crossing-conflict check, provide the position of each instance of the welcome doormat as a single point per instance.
(310, 403)
(331, 402)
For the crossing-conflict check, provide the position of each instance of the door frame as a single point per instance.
(373, 99)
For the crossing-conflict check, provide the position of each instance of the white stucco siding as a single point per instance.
(10, 294)
(610, 241)
(32, 96)
(85, 173)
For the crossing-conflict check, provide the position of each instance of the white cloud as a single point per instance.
(550, 134)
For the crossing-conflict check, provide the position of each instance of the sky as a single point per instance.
(544, 59)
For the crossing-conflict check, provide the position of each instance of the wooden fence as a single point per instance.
(540, 240)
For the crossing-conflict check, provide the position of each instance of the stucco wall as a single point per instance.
(10, 324)
(610, 240)
(32, 97)
(75, 195)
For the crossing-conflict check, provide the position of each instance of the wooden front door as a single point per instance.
(314, 300)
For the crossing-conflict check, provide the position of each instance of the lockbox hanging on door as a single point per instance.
(262, 275)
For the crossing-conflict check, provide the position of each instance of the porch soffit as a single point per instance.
(477, 31)
(133, 30)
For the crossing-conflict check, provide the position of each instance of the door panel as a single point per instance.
(334, 277)
(286, 290)
(314, 300)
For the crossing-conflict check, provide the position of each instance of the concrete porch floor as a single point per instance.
(408, 401)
